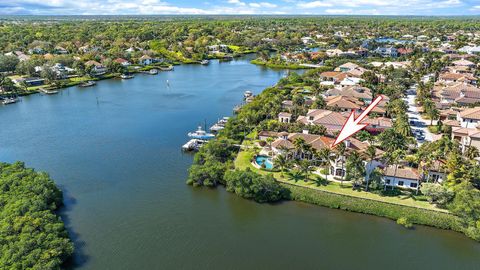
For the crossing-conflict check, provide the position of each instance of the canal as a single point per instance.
(114, 149)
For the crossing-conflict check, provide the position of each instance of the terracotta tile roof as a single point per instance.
(343, 103)
(284, 114)
(463, 62)
(282, 143)
(331, 120)
(330, 74)
(452, 123)
(379, 122)
(265, 133)
(402, 172)
(473, 113)
(351, 91)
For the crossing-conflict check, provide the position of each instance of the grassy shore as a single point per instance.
(342, 196)
(278, 66)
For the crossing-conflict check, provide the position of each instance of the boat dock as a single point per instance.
(193, 145)
(48, 92)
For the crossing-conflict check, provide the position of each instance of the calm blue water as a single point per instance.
(123, 174)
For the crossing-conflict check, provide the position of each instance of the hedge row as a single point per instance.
(382, 209)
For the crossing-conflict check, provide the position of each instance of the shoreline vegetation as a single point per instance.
(227, 160)
(134, 69)
(32, 235)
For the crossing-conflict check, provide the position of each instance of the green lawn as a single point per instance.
(243, 161)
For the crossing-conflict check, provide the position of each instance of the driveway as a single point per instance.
(413, 113)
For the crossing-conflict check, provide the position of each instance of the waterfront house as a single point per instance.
(215, 49)
(145, 60)
(30, 81)
(401, 176)
(122, 62)
(435, 171)
(97, 68)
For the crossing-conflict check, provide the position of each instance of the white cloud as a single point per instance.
(338, 11)
(384, 7)
(314, 4)
(236, 2)
(263, 5)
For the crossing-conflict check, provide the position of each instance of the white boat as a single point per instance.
(205, 62)
(193, 145)
(201, 134)
(169, 68)
(7, 101)
(153, 71)
(126, 76)
(247, 94)
(48, 92)
(220, 124)
(88, 84)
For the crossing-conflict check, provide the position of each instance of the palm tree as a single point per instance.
(305, 168)
(299, 144)
(355, 169)
(281, 162)
(433, 114)
(325, 154)
(340, 151)
(370, 153)
(472, 152)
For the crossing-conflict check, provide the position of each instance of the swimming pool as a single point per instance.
(260, 160)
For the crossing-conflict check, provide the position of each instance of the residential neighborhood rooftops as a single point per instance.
(402, 172)
(472, 113)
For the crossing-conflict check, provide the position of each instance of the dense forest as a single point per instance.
(32, 235)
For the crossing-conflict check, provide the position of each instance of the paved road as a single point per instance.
(413, 113)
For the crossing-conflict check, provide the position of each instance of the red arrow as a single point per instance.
(353, 125)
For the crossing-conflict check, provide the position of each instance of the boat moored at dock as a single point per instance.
(220, 124)
(127, 76)
(204, 62)
(247, 94)
(193, 145)
(169, 68)
(48, 92)
(7, 101)
(201, 134)
(88, 84)
(153, 71)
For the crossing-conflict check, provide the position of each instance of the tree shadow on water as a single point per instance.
(79, 257)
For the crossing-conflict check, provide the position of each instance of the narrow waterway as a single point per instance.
(115, 151)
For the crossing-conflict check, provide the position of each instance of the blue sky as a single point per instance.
(328, 7)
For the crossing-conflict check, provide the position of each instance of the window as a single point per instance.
(413, 185)
(400, 183)
(387, 181)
